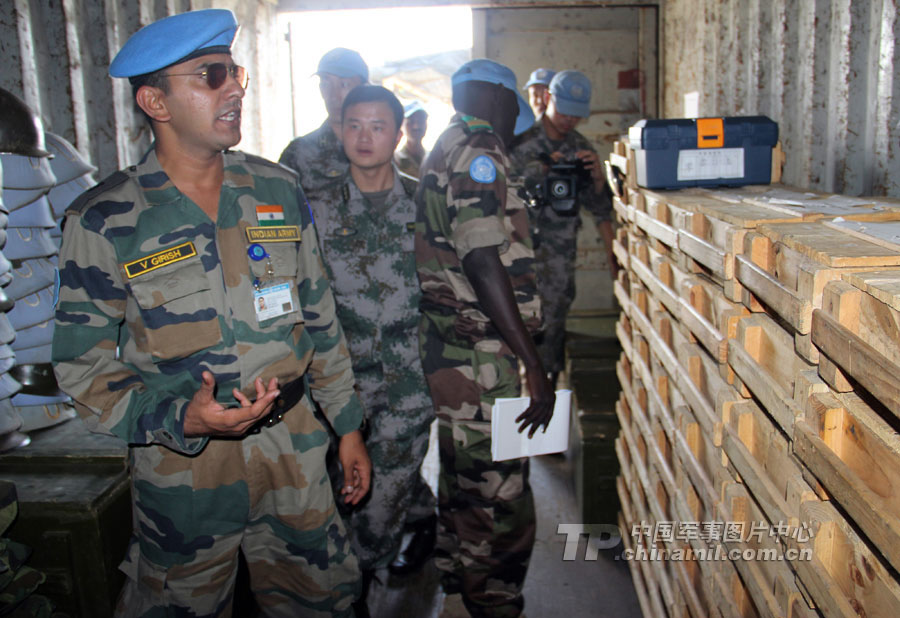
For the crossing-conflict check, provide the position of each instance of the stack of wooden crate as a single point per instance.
(760, 402)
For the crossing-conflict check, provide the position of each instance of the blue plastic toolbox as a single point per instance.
(684, 152)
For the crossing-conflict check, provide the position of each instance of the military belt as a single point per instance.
(291, 394)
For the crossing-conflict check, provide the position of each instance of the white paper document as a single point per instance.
(508, 443)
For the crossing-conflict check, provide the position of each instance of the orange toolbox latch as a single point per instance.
(710, 133)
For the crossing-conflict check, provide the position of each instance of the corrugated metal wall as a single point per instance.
(56, 54)
(823, 69)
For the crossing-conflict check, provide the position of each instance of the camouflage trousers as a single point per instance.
(397, 441)
(266, 495)
(485, 508)
(554, 268)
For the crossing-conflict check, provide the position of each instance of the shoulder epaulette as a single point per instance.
(257, 160)
(476, 124)
(410, 184)
(110, 182)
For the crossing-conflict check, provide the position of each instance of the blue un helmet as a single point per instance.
(484, 70)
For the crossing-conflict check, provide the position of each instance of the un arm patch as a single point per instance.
(483, 170)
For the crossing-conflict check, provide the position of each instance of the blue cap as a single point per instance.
(572, 93)
(411, 108)
(539, 76)
(175, 39)
(344, 62)
(484, 70)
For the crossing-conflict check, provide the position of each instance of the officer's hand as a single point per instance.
(592, 163)
(542, 401)
(357, 467)
(207, 417)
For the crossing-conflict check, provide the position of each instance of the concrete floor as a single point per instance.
(554, 587)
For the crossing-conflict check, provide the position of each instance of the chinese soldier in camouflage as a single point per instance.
(479, 305)
(318, 157)
(366, 228)
(554, 134)
(161, 339)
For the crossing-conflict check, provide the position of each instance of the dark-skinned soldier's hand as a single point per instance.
(207, 417)
(540, 411)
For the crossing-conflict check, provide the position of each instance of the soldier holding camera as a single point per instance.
(561, 172)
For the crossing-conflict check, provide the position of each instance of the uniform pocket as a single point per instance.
(283, 258)
(177, 310)
(281, 267)
(343, 243)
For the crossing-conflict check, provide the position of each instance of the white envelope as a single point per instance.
(508, 443)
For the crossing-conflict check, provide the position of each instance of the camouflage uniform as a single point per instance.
(407, 162)
(318, 158)
(486, 510)
(129, 346)
(554, 255)
(369, 256)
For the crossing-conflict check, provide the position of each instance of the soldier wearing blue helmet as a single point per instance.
(318, 157)
(184, 330)
(410, 155)
(537, 85)
(479, 305)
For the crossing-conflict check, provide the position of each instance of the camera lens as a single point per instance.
(559, 188)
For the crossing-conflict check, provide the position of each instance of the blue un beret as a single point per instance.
(175, 39)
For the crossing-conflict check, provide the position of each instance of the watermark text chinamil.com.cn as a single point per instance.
(712, 535)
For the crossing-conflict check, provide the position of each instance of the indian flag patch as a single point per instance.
(270, 214)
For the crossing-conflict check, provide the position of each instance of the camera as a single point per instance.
(560, 187)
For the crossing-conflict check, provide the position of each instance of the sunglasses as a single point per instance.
(216, 74)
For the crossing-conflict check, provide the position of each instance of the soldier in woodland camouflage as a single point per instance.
(479, 306)
(554, 134)
(410, 155)
(161, 340)
(318, 157)
(366, 228)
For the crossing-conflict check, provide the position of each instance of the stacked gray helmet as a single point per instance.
(29, 396)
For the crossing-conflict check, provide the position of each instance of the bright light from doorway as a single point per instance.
(380, 36)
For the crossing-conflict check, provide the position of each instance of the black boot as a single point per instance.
(419, 550)
(361, 605)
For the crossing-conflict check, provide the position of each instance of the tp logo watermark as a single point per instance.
(599, 536)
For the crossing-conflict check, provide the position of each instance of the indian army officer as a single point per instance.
(161, 340)
(479, 308)
(318, 157)
(366, 225)
(553, 139)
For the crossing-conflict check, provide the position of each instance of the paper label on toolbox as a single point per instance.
(710, 164)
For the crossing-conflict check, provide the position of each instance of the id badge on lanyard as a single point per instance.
(272, 298)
